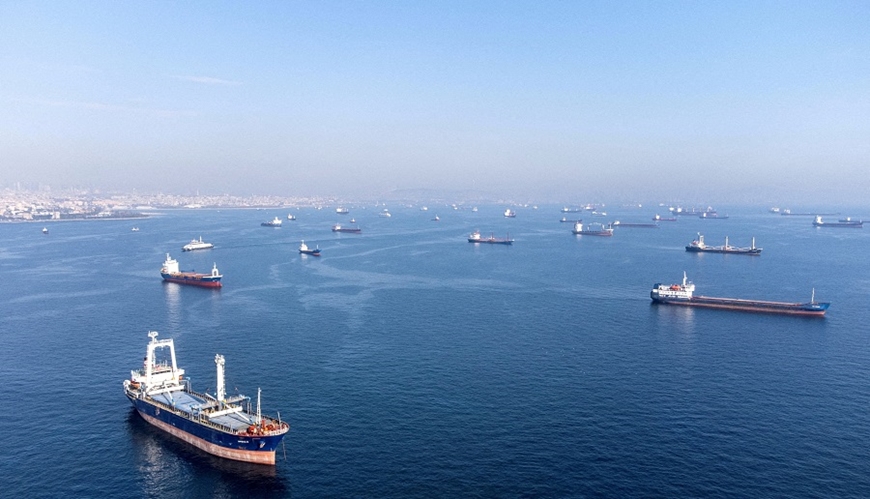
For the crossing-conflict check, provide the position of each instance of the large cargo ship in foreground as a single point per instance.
(683, 294)
(698, 246)
(171, 273)
(216, 424)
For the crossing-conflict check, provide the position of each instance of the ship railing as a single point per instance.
(196, 417)
(200, 417)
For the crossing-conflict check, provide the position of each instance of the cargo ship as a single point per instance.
(565, 220)
(683, 294)
(342, 210)
(698, 246)
(305, 250)
(340, 228)
(197, 244)
(476, 238)
(592, 230)
(642, 225)
(217, 424)
(171, 273)
(659, 218)
(276, 222)
(846, 222)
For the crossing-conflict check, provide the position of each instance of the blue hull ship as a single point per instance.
(216, 424)
(683, 294)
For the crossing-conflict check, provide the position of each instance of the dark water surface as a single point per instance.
(412, 363)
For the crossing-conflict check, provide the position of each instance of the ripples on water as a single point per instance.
(411, 363)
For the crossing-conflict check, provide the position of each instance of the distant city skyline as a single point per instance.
(755, 102)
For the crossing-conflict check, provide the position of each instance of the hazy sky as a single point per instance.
(574, 100)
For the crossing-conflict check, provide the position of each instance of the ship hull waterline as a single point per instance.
(235, 447)
(755, 252)
(747, 306)
(205, 282)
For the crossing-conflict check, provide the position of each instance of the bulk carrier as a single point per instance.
(475, 237)
(698, 246)
(216, 424)
(683, 294)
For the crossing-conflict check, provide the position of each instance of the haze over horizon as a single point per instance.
(738, 102)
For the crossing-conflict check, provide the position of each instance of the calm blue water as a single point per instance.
(411, 363)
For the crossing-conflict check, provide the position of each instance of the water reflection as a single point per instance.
(674, 317)
(172, 292)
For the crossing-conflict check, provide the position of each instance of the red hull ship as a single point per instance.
(171, 273)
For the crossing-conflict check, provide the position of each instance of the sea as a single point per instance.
(411, 363)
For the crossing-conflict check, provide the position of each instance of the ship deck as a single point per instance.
(189, 403)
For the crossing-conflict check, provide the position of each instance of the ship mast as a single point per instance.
(259, 416)
(221, 389)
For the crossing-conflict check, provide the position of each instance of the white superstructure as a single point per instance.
(170, 265)
(674, 291)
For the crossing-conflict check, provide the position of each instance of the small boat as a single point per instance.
(340, 228)
(276, 222)
(508, 213)
(45, 230)
(171, 273)
(846, 223)
(135, 229)
(659, 218)
(197, 244)
(215, 423)
(305, 250)
(636, 224)
(291, 217)
(698, 246)
(353, 220)
(476, 238)
(424, 208)
(566, 209)
(594, 229)
(435, 219)
(385, 214)
(341, 210)
(683, 294)
(474, 209)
